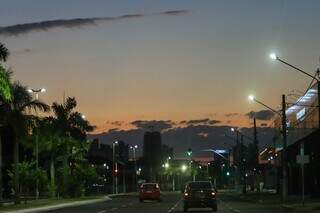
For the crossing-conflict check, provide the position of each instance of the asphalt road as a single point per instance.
(171, 204)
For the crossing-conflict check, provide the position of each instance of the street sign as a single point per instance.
(303, 159)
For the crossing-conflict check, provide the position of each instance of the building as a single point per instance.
(302, 130)
(152, 155)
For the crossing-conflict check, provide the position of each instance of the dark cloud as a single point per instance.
(264, 115)
(213, 122)
(198, 121)
(174, 12)
(19, 29)
(117, 123)
(207, 121)
(158, 125)
(113, 130)
(231, 114)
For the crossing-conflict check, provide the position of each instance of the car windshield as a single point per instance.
(149, 186)
(200, 185)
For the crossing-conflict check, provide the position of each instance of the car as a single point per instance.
(149, 191)
(200, 194)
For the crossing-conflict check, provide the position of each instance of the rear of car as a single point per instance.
(200, 194)
(149, 191)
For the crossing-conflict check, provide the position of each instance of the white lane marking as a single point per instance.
(123, 206)
(237, 210)
(113, 209)
(103, 211)
(175, 206)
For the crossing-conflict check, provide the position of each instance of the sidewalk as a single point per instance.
(46, 205)
(292, 205)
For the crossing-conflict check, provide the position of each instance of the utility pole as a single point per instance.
(237, 161)
(256, 147)
(124, 179)
(114, 169)
(243, 167)
(284, 151)
(255, 139)
(116, 173)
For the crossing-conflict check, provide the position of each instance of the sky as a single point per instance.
(177, 60)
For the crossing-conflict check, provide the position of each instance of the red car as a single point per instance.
(149, 191)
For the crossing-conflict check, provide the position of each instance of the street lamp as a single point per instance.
(253, 98)
(114, 170)
(273, 56)
(36, 93)
(283, 117)
(133, 148)
(183, 168)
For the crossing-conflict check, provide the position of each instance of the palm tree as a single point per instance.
(70, 124)
(5, 96)
(50, 144)
(4, 52)
(15, 116)
(5, 91)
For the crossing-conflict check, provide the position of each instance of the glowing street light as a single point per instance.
(251, 98)
(273, 56)
(166, 165)
(36, 93)
(316, 77)
(115, 169)
(183, 168)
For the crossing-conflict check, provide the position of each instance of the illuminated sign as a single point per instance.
(300, 115)
(221, 151)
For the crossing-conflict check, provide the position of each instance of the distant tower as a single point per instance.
(152, 154)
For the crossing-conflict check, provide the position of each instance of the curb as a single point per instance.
(59, 206)
(287, 207)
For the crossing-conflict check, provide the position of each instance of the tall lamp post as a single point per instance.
(273, 56)
(133, 148)
(114, 169)
(36, 92)
(241, 157)
(284, 139)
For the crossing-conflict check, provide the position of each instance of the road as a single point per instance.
(171, 204)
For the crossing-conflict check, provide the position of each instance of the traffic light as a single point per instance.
(189, 152)
(228, 173)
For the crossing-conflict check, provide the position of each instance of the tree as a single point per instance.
(50, 145)
(29, 174)
(71, 125)
(14, 115)
(4, 52)
(5, 85)
(5, 96)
